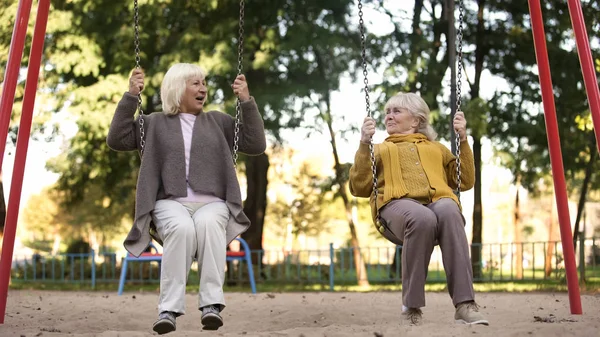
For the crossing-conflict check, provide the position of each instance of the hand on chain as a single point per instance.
(136, 82)
(367, 131)
(460, 125)
(240, 88)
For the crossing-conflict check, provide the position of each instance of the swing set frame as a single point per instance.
(33, 69)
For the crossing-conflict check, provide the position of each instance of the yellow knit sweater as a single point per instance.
(410, 166)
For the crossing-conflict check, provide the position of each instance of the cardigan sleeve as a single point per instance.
(361, 173)
(252, 140)
(123, 133)
(467, 167)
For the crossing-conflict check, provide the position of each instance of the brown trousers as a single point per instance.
(418, 228)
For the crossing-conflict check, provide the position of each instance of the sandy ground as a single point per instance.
(47, 313)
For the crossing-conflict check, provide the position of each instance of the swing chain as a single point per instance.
(368, 105)
(461, 18)
(136, 41)
(364, 56)
(238, 106)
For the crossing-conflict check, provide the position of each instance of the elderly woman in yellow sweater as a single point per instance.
(416, 206)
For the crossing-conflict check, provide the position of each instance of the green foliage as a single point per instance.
(517, 123)
(304, 204)
(89, 53)
(47, 217)
(294, 55)
(43, 220)
(414, 55)
(476, 111)
(79, 247)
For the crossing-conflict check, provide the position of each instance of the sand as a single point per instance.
(53, 313)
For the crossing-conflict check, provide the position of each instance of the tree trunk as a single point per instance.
(551, 238)
(480, 53)
(342, 182)
(359, 264)
(56, 243)
(518, 236)
(549, 251)
(477, 213)
(589, 172)
(415, 36)
(341, 174)
(255, 204)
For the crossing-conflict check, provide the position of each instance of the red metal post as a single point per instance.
(587, 64)
(12, 211)
(12, 71)
(558, 174)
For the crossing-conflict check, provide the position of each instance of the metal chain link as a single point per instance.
(238, 106)
(461, 18)
(136, 42)
(368, 104)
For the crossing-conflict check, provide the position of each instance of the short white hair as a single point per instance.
(174, 84)
(417, 107)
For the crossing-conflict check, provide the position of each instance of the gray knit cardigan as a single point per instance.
(162, 171)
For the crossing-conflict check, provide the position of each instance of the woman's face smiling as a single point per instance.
(400, 121)
(194, 96)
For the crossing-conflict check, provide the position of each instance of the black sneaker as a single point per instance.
(211, 318)
(165, 323)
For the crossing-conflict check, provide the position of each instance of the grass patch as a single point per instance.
(513, 287)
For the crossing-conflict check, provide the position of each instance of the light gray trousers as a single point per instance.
(191, 231)
(419, 228)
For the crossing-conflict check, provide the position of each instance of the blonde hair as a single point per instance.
(417, 107)
(174, 84)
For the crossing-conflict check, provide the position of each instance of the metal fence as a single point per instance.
(325, 268)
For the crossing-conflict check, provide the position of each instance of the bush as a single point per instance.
(79, 247)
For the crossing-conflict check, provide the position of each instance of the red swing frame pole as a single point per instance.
(587, 64)
(558, 174)
(12, 71)
(12, 211)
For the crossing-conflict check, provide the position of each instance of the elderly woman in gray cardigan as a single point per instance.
(187, 185)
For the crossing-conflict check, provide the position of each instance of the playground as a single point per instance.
(49, 313)
(331, 239)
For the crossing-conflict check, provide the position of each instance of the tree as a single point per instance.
(43, 223)
(516, 117)
(89, 53)
(101, 35)
(302, 206)
(7, 19)
(415, 58)
(49, 225)
(324, 49)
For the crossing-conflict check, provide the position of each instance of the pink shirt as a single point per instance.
(187, 127)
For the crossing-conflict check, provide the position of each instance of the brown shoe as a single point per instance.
(468, 313)
(413, 316)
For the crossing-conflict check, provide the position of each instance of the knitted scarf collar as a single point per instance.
(394, 184)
